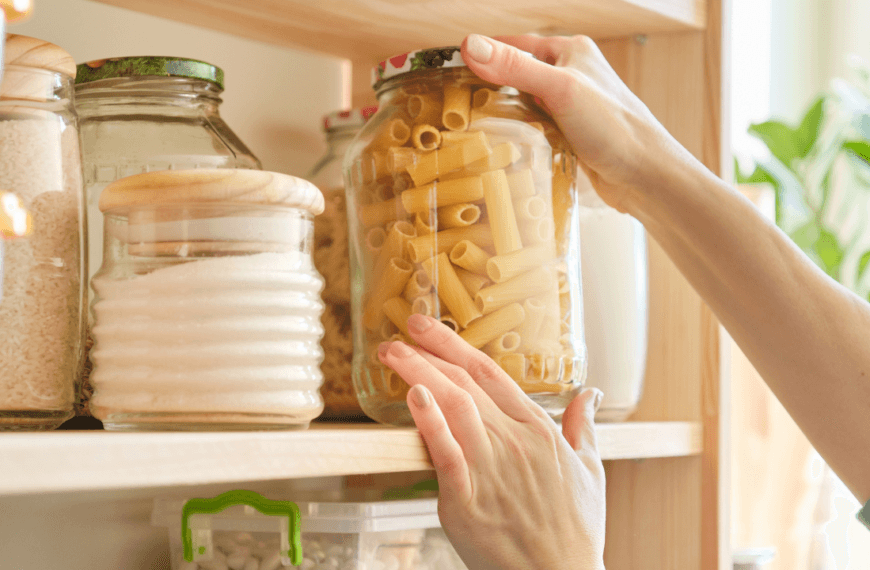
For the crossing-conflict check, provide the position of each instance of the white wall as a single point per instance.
(274, 98)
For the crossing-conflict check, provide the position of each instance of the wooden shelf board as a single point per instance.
(77, 461)
(368, 31)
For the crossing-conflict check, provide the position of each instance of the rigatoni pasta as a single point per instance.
(475, 223)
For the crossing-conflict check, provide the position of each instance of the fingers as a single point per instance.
(503, 64)
(578, 421)
(546, 49)
(442, 342)
(459, 377)
(462, 414)
(447, 455)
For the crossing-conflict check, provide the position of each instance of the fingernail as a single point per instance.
(420, 396)
(383, 348)
(401, 349)
(419, 323)
(478, 48)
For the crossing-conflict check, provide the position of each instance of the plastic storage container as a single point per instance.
(386, 535)
(465, 209)
(143, 114)
(331, 260)
(615, 297)
(207, 306)
(41, 315)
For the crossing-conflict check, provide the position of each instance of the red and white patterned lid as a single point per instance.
(431, 58)
(350, 118)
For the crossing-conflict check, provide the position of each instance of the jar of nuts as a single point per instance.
(465, 209)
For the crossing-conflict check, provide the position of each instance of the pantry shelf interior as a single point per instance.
(79, 461)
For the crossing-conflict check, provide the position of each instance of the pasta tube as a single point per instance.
(395, 244)
(458, 215)
(399, 157)
(395, 133)
(423, 225)
(531, 327)
(468, 256)
(485, 97)
(419, 284)
(471, 281)
(457, 106)
(450, 322)
(425, 305)
(425, 137)
(508, 342)
(491, 326)
(398, 310)
(386, 330)
(389, 284)
(503, 155)
(514, 364)
(531, 208)
(521, 183)
(431, 165)
(538, 231)
(439, 194)
(375, 240)
(521, 287)
(450, 138)
(500, 208)
(424, 247)
(425, 108)
(379, 213)
(450, 290)
(503, 267)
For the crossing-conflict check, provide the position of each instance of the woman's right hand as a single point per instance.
(620, 144)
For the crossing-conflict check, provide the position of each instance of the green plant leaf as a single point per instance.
(859, 148)
(758, 176)
(830, 252)
(862, 263)
(808, 131)
(780, 139)
(806, 236)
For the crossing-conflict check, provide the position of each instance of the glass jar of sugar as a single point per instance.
(207, 306)
(42, 299)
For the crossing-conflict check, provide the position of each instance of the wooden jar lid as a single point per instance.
(38, 54)
(210, 186)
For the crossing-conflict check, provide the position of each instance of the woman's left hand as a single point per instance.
(515, 492)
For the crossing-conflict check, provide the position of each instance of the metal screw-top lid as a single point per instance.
(149, 66)
(421, 59)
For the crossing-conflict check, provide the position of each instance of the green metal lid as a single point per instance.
(144, 66)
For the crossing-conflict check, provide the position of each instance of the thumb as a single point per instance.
(578, 421)
(504, 64)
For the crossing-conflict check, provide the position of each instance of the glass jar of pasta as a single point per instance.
(465, 209)
(331, 260)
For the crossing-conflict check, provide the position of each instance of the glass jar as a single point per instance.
(331, 260)
(142, 114)
(207, 306)
(465, 210)
(615, 298)
(42, 307)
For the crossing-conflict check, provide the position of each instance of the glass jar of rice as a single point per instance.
(465, 208)
(41, 309)
(207, 306)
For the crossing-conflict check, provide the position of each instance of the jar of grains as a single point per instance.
(331, 260)
(41, 311)
(465, 202)
(141, 114)
(207, 307)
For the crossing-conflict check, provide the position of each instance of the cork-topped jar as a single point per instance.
(41, 311)
(207, 306)
(465, 209)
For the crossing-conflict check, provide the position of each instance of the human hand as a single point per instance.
(618, 141)
(515, 493)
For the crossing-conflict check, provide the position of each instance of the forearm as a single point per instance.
(807, 336)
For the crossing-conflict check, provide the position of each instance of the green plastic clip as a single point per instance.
(255, 500)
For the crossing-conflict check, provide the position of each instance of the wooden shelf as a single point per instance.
(368, 31)
(76, 461)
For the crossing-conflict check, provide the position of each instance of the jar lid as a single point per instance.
(39, 54)
(145, 66)
(431, 58)
(211, 186)
(353, 118)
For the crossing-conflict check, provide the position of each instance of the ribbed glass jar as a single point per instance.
(207, 306)
(465, 209)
